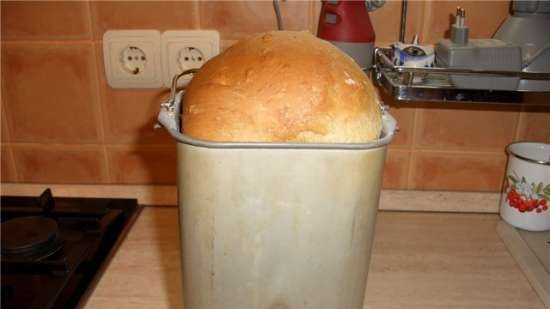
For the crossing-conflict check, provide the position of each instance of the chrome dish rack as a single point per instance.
(434, 84)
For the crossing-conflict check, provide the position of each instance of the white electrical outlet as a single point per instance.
(132, 58)
(187, 49)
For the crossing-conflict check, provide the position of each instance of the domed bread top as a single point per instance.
(282, 86)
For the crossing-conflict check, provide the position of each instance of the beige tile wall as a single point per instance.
(61, 123)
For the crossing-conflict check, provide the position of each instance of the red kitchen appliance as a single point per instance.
(346, 24)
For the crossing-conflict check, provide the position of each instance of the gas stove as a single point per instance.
(54, 250)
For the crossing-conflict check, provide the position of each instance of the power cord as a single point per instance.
(278, 14)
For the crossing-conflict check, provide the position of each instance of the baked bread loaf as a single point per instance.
(282, 86)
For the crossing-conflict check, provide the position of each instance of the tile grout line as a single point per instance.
(410, 171)
(449, 149)
(426, 20)
(412, 158)
(311, 13)
(167, 145)
(402, 185)
(13, 164)
(107, 165)
(6, 125)
(4, 118)
(407, 171)
(419, 25)
(399, 147)
(90, 20)
(519, 123)
(197, 19)
(11, 153)
(69, 145)
(42, 42)
(101, 121)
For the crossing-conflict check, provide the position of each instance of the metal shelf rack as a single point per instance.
(434, 84)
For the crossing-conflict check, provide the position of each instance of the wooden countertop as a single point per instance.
(420, 260)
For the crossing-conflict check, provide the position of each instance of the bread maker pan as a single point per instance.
(275, 225)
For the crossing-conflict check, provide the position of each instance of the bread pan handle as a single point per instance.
(170, 110)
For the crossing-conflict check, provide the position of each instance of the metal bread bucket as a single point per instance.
(275, 225)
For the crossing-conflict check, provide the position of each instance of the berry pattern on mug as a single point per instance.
(526, 197)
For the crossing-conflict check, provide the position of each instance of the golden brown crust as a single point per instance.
(282, 86)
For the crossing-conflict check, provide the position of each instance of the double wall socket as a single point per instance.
(147, 59)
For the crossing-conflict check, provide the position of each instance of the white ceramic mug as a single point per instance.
(525, 200)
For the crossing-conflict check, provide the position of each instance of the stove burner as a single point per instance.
(30, 238)
(54, 250)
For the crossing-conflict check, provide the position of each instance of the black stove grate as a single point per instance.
(57, 265)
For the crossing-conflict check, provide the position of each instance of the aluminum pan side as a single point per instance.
(277, 228)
